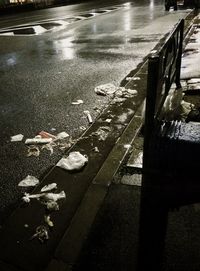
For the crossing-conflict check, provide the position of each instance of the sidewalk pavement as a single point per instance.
(113, 239)
(97, 225)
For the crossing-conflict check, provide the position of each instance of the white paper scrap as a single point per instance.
(77, 102)
(17, 138)
(49, 187)
(29, 181)
(38, 140)
(62, 135)
(74, 161)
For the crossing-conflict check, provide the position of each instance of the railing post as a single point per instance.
(163, 69)
(178, 63)
(152, 84)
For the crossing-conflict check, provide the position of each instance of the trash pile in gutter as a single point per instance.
(175, 108)
(49, 197)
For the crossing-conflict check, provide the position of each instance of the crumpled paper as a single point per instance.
(74, 161)
(29, 181)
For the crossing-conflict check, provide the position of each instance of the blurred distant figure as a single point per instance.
(170, 3)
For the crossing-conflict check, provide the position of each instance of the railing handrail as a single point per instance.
(163, 70)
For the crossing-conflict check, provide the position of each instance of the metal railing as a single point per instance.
(163, 70)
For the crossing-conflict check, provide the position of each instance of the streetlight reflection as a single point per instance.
(151, 5)
(65, 47)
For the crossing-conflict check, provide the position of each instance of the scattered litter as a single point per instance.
(105, 89)
(132, 91)
(124, 116)
(102, 132)
(63, 146)
(186, 108)
(48, 147)
(77, 102)
(132, 78)
(29, 181)
(82, 128)
(33, 151)
(53, 129)
(175, 108)
(48, 199)
(74, 161)
(129, 78)
(122, 92)
(49, 187)
(95, 149)
(44, 134)
(193, 81)
(118, 100)
(27, 197)
(108, 120)
(88, 116)
(37, 140)
(17, 138)
(119, 94)
(172, 104)
(62, 135)
(47, 220)
(41, 233)
(52, 205)
(48, 142)
(52, 196)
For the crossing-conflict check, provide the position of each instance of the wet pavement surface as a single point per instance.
(113, 239)
(41, 75)
(48, 114)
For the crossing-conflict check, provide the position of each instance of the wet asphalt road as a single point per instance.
(40, 75)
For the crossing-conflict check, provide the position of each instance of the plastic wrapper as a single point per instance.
(29, 181)
(16, 138)
(41, 233)
(38, 140)
(88, 116)
(62, 135)
(77, 102)
(75, 161)
(49, 187)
